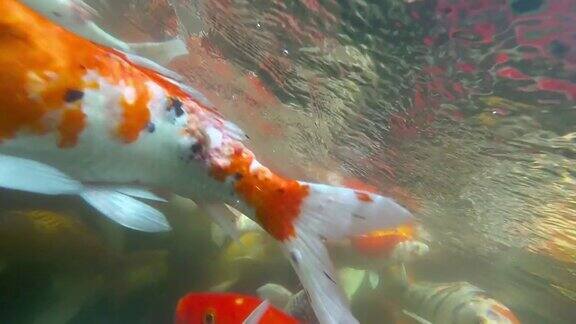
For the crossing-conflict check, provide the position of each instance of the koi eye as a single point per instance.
(209, 317)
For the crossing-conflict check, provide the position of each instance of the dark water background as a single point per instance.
(463, 110)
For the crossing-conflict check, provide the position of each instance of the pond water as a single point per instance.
(463, 111)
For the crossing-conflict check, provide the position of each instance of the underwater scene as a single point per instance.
(288, 161)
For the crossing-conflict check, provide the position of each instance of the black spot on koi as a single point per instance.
(73, 95)
(176, 104)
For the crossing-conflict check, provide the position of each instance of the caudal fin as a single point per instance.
(333, 213)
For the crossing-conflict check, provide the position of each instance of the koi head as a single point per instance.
(216, 308)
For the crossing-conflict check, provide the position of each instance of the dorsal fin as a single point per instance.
(192, 92)
(147, 63)
(168, 75)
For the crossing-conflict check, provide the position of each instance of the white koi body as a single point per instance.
(454, 303)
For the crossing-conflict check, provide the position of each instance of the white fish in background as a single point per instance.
(454, 303)
(408, 251)
(450, 303)
(80, 119)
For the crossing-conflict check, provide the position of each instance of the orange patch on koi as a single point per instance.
(276, 200)
(506, 313)
(136, 115)
(382, 242)
(71, 126)
(40, 61)
(362, 196)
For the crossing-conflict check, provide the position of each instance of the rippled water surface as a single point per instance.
(464, 111)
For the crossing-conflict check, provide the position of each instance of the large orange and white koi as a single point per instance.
(81, 119)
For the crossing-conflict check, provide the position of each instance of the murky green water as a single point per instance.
(462, 110)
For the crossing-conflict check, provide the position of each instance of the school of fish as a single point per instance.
(117, 129)
(85, 114)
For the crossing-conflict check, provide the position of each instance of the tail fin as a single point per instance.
(332, 213)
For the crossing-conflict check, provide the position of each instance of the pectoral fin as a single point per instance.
(126, 210)
(116, 203)
(28, 175)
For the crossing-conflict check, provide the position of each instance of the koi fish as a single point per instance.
(408, 251)
(398, 244)
(382, 242)
(77, 118)
(454, 302)
(458, 303)
(77, 16)
(250, 246)
(56, 240)
(228, 308)
(77, 266)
